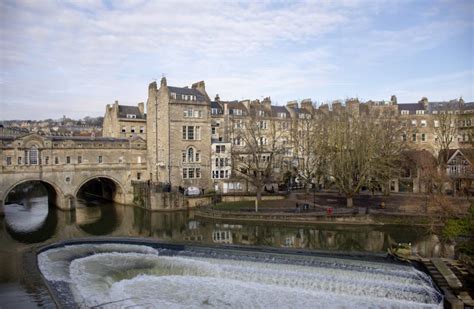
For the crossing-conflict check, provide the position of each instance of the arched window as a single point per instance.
(31, 156)
(190, 154)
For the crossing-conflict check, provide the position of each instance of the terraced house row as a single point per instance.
(192, 140)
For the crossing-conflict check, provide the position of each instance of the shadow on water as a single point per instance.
(97, 217)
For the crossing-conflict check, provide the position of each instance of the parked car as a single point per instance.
(192, 191)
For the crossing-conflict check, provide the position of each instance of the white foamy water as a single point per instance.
(28, 217)
(117, 278)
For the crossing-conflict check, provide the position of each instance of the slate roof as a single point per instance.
(87, 138)
(187, 91)
(280, 109)
(301, 110)
(124, 110)
(410, 107)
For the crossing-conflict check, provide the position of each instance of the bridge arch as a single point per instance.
(55, 193)
(112, 188)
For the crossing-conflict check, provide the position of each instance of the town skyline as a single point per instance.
(71, 58)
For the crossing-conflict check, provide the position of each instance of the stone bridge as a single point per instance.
(67, 164)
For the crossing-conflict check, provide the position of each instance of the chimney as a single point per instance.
(424, 102)
(141, 108)
(292, 104)
(163, 82)
(393, 100)
(152, 89)
(267, 104)
(217, 98)
(324, 108)
(307, 104)
(201, 87)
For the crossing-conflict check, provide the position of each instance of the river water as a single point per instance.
(31, 223)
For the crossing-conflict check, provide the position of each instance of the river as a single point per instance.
(31, 222)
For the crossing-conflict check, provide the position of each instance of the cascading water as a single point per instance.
(121, 275)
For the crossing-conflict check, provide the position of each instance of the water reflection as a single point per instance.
(30, 219)
(33, 221)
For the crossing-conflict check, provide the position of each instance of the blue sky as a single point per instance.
(74, 57)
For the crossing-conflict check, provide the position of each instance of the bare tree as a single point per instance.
(257, 148)
(364, 148)
(445, 130)
(310, 144)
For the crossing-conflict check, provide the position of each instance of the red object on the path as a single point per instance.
(329, 211)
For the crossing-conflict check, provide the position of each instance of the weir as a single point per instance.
(127, 274)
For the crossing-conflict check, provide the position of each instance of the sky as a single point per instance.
(74, 57)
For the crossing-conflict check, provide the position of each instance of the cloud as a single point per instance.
(58, 54)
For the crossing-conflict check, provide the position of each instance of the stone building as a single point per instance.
(124, 121)
(179, 135)
(66, 163)
(192, 140)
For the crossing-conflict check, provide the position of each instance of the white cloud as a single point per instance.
(90, 53)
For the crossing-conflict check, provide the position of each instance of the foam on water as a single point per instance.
(117, 277)
(29, 217)
(54, 263)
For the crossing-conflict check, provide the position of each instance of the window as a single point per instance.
(238, 124)
(131, 116)
(281, 115)
(220, 148)
(19, 160)
(56, 160)
(238, 141)
(214, 111)
(142, 129)
(46, 160)
(436, 123)
(405, 112)
(139, 175)
(68, 160)
(413, 123)
(79, 159)
(420, 112)
(235, 111)
(9, 160)
(31, 156)
(191, 173)
(132, 130)
(191, 132)
(99, 159)
(261, 113)
(262, 141)
(423, 123)
(413, 137)
(213, 131)
(124, 129)
(423, 137)
(284, 125)
(404, 137)
(191, 154)
(262, 124)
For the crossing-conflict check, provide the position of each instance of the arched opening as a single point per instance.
(30, 215)
(99, 189)
(95, 210)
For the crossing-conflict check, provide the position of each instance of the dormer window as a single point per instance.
(420, 112)
(261, 113)
(214, 111)
(131, 116)
(281, 115)
(235, 111)
(405, 112)
(173, 95)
